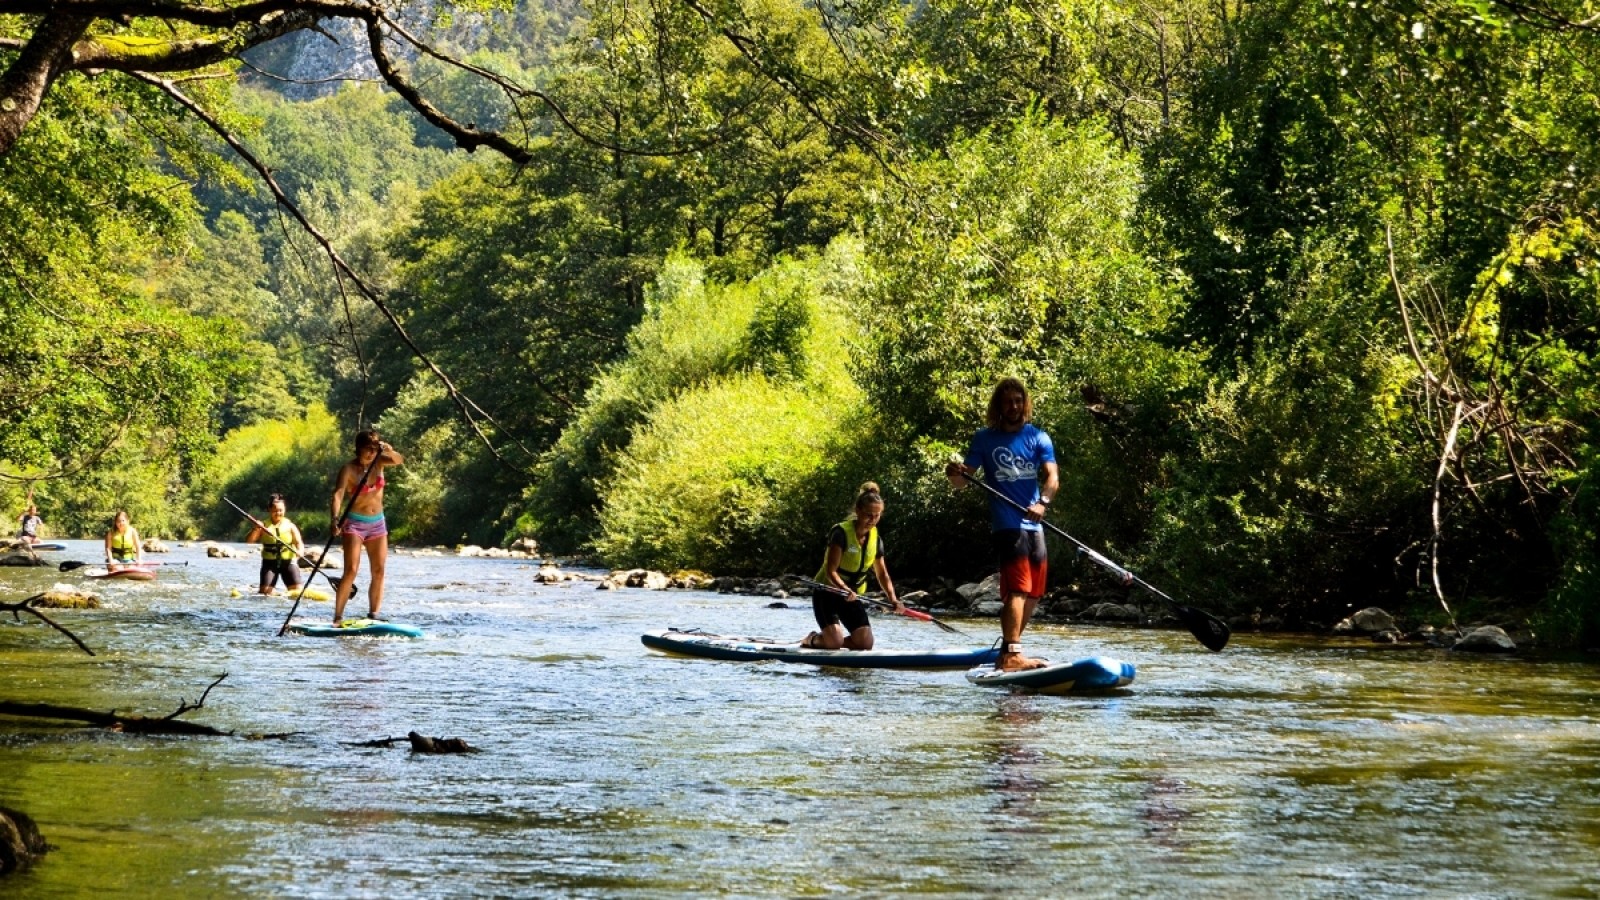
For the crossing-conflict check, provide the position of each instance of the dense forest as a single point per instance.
(1308, 292)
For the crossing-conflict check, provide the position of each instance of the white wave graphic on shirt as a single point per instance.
(1008, 466)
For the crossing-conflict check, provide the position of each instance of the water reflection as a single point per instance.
(1018, 764)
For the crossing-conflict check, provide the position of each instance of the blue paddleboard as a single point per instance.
(354, 628)
(49, 546)
(1097, 673)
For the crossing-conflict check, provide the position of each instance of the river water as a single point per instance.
(1283, 767)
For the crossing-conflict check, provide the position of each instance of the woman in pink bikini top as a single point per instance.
(361, 479)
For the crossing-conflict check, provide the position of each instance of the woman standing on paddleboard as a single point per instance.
(122, 542)
(364, 526)
(854, 550)
(281, 545)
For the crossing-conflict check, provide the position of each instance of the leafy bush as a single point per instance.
(709, 483)
(788, 322)
(296, 458)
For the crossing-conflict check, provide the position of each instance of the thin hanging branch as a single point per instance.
(471, 411)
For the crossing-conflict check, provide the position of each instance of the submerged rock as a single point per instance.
(63, 597)
(21, 845)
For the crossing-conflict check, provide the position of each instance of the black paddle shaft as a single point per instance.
(315, 567)
(1209, 630)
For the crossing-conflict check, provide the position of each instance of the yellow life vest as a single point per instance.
(856, 560)
(271, 549)
(122, 545)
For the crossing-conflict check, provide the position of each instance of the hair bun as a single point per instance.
(868, 487)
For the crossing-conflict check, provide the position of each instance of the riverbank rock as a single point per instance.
(648, 579)
(1371, 620)
(63, 597)
(215, 550)
(154, 545)
(525, 545)
(21, 845)
(329, 560)
(1113, 612)
(21, 560)
(1486, 639)
(981, 593)
(691, 581)
(550, 574)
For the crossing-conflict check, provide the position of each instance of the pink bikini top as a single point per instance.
(371, 486)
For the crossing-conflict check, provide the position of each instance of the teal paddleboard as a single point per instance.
(355, 628)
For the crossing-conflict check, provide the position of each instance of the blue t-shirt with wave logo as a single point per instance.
(1011, 461)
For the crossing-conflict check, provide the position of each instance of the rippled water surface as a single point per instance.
(1281, 767)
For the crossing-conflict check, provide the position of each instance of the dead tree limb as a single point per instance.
(25, 606)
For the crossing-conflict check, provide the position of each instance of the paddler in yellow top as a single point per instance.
(281, 545)
(854, 550)
(122, 543)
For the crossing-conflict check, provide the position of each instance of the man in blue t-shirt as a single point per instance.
(1019, 461)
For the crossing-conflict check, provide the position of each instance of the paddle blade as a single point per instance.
(1209, 630)
(71, 564)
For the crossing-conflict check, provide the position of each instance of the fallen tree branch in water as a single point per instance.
(183, 705)
(25, 606)
(131, 723)
(422, 744)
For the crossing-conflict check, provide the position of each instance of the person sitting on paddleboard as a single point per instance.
(31, 522)
(854, 550)
(281, 545)
(1019, 460)
(364, 526)
(122, 543)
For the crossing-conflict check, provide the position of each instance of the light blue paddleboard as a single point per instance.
(1097, 673)
(49, 546)
(354, 628)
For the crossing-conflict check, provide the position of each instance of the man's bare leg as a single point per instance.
(1014, 616)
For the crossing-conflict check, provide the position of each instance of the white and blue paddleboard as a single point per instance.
(355, 628)
(1097, 673)
(49, 546)
(752, 649)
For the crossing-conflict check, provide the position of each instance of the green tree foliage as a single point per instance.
(1015, 254)
(776, 349)
(99, 374)
(294, 457)
(1320, 128)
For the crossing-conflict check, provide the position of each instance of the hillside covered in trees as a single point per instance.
(1308, 292)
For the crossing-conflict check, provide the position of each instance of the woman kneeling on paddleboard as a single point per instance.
(363, 525)
(854, 550)
(122, 542)
(281, 545)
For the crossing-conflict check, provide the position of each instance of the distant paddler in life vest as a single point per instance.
(123, 548)
(854, 550)
(281, 545)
